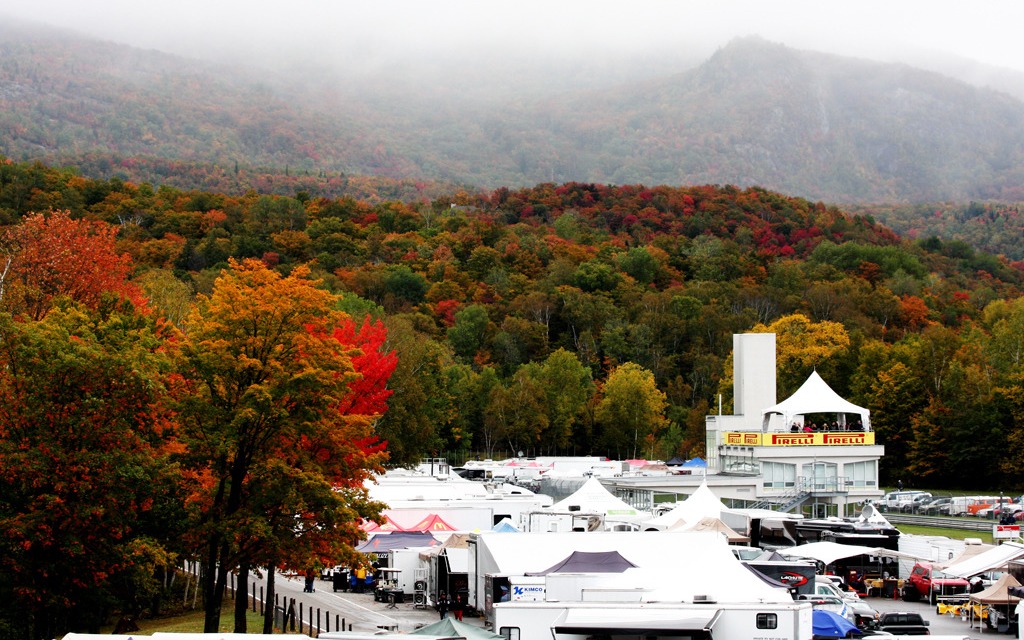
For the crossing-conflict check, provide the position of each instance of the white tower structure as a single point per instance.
(753, 374)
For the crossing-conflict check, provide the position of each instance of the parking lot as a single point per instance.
(944, 625)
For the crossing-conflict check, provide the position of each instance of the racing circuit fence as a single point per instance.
(947, 522)
(290, 615)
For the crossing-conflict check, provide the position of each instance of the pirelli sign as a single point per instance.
(786, 439)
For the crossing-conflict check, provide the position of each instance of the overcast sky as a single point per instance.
(345, 31)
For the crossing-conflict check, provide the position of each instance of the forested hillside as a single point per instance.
(753, 114)
(488, 298)
(229, 296)
(992, 227)
(182, 370)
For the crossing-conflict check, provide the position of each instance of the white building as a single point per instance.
(762, 457)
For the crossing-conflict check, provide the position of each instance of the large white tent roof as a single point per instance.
(701, 504)
(592, 497)
(828, 552)
(814, 396)
(672, 566)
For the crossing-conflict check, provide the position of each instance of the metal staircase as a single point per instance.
(804, 489)
(784, 502)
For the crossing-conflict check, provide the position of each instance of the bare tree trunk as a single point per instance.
(212, 596)
(268, 603)
(242, 597)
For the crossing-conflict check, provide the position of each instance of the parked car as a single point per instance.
(935, 507)
(835, 604)
(997, 510)
(903, 623)
(862, 613)
(923, 584)
(894, 500)
(916, 503)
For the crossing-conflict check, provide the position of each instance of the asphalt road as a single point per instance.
(944, 625)
(360, 612)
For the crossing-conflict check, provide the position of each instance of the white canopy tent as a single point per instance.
(701, 504)
(813, 396)
(828, 552)
(995, 559)
(592, 497)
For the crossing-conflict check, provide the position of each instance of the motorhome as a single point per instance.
(547, 574)
(494, 557)
(619, 620)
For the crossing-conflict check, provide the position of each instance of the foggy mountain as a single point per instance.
(807, 124)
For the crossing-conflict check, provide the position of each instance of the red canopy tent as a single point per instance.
(389, 525)
(433, 522)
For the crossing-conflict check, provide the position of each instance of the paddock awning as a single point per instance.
(995, 559)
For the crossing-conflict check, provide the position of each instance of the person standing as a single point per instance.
(442, 604)
(458, 605)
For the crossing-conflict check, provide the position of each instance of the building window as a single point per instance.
(509, 633)
(862, 474)
(822, 476)
(744, 464)
(778, 475)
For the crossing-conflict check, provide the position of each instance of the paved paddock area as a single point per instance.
(940, 625)
(365, 614)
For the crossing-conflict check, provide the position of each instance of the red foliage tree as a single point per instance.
(368, 395)
(53, 255)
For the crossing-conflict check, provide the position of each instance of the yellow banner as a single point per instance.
(788, 439)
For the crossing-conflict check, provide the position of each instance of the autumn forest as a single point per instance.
(181, 364)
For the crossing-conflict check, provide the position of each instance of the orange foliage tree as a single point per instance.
(48, 256)
(283, 468)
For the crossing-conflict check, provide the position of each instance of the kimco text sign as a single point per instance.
(788, 439)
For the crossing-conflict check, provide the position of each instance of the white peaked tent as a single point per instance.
(701, 504)
(813, 396)
(592, 497)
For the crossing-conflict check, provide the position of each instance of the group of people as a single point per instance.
(456, 605)
(811, 427)
(359, 578)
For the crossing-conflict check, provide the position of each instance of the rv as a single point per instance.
(620, 620)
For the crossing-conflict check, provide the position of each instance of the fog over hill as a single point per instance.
(752, 112)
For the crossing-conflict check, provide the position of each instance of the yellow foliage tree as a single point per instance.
(802, 346)
(632, 410)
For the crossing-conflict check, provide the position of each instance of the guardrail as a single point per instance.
(966, 523)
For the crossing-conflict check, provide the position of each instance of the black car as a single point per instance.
(934, 507)
(903, 623)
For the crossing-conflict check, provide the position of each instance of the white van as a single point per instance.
(962, 505)
(897, 499)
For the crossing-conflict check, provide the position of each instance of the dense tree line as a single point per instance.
(240, 438)
(975, 231)
(562, 318)
(481, 291)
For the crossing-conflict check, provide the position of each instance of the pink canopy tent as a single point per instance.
(433, 522)
(389, 525)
